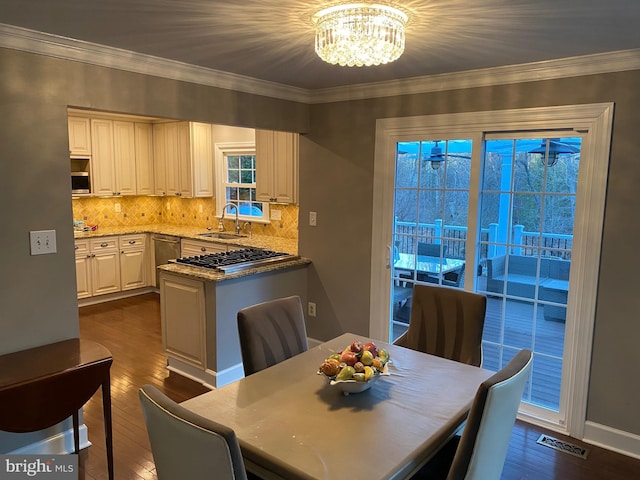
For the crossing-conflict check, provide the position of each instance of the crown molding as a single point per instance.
(23, 39)
(65, 48)
(527, 72)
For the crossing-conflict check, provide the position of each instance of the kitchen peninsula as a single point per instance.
(199, 308)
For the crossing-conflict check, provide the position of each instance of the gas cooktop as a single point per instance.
(235, 260)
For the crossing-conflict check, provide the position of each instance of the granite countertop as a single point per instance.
(215, 276)
(256, 241)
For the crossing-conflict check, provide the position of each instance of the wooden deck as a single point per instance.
(522, 329)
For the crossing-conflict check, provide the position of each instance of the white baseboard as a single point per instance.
(208, 378)
(58, 444)
(612, 439)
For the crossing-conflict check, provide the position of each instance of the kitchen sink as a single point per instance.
(222, 235)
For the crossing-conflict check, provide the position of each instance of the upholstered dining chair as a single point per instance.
(480, 452)
(271, 332)
(446, 322)
(186, 445)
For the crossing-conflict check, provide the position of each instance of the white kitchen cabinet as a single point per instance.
(83, 269)
(113, 157)
(143, 134)
(97, 266)
(182, 310)
(79, 137)
(183, 159)
(189, 248)
(134, 263)
(276, 166)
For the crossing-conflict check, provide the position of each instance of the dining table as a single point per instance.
(291, 423)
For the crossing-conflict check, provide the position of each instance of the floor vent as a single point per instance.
(563, 446)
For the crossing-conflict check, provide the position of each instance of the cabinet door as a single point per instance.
(133, 268)
(160, 159)
(182, 311)
(172, 163)
(102, 161)
(79, 136)
(83, 275)
(124, 150)
(201, 152)
(276, 166)
(105, 272)
(264, 166)
(144, 158)
(183, 161)
(285, 166)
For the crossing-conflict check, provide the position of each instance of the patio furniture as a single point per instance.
(521, 280)
(446, 322)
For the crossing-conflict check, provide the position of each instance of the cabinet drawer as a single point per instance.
(133, 241)
(193, 247)
(81, 247)
(104, 243)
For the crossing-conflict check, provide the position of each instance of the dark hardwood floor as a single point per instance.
(130, 329)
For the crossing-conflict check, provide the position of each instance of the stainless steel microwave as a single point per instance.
(80, 183)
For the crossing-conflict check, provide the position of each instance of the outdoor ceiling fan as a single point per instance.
(437, 157)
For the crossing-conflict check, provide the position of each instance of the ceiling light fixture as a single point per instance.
(360, 34)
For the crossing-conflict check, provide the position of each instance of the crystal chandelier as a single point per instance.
(359, 34)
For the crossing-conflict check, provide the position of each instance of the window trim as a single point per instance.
(220, 152)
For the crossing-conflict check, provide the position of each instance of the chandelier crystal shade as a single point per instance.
(360, 34)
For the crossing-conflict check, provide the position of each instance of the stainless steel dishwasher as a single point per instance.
(165, 247)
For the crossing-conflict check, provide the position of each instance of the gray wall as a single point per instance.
(37, 294)
(336, 180)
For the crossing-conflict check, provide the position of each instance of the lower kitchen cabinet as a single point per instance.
(97, 266)
(134, 265)
(183, 319)
(111, 264)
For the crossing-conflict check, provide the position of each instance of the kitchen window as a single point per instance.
(236, 182)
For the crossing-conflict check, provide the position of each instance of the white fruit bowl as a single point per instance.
(353, 386)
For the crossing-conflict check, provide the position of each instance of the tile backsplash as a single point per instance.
(200, 212)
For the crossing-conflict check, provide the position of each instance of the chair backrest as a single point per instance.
(446, 322)
(483, 447)
(431, 249)
(186, 445)
(271, 332)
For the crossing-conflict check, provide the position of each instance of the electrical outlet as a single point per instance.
(118, 208)
(276, 214)
(312, 309)
(313, 219)
(42, 242)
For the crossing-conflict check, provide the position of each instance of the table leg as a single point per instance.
(106, 405)
(76, 432)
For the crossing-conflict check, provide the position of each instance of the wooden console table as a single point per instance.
(42, 386)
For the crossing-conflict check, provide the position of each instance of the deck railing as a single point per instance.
(454, 237)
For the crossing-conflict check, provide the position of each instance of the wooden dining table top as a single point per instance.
(291, 423)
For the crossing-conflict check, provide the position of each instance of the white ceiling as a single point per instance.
(273, 40)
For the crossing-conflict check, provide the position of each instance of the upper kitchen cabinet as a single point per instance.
(79, 137)
(143, 134)
(183, 159)
(113, 157)
(276, 166)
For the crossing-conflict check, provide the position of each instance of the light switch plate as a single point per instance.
(313, 219)
(42, 242)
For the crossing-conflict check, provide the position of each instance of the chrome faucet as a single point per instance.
(237, 223)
